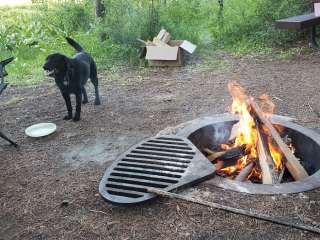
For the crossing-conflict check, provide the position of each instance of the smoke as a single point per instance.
(221, 132)
(266, 104)
(236, 91)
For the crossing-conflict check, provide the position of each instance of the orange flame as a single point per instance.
(247, 132)
(276, 155)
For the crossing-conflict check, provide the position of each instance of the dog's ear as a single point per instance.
(7, 61)
(67, 63)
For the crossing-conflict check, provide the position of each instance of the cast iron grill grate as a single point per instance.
(166, 163)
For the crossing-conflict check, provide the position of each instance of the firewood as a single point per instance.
(287, 141)
(244, 173)
(292, 163)
(226, 158)
(161, 34)
(149, 43)
(140, 40)
(159, 43)
(146, 43)
(248, 213)
(268, 168)
(281, 174)
(219, 165)
(166, 37)
(228, 154)
(234, 131)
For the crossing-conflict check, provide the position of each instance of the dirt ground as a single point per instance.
(49, 187)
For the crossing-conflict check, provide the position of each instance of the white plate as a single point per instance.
(41, 130)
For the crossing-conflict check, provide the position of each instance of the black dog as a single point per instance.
(4, 73)
(71, 75)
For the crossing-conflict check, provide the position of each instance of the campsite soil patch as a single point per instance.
(49, 187)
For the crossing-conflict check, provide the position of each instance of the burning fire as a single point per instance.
(276, 155)
(247, 134)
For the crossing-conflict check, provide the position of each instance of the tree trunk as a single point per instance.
(100, 14)
(100, 9)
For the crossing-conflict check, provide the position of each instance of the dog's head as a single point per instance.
(3, 63)
(56, 64)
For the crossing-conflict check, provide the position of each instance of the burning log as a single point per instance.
(234, 131)
(228, 154)
(292, 163)
(219, 165)
(268, 168)
(281, 174)
(244, 173)
(226, 158)
(287, 141)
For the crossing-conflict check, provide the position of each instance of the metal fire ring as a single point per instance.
(309, 183)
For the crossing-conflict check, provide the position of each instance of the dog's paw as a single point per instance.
(67, 117)
(97, 102)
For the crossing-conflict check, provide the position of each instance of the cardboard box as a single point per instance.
(162, 53)
(178, 62)
(171, 55)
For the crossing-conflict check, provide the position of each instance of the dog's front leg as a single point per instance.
(68, 104)
(78, 108)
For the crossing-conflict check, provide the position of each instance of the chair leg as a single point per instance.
(7, 139)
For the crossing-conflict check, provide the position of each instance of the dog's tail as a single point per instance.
(74, 44)
(7, 61)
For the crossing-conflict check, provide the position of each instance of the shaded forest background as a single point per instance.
(32, 32)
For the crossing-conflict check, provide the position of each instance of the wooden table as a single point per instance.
(302, 22)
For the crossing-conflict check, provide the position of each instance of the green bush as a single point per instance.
(255, 23)
(248, 22)
(125, 21)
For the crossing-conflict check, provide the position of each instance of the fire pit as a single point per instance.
(210, 132)
(250, 151)
(282, 157)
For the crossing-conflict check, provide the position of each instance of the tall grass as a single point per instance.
(31, 33)
(246, 23)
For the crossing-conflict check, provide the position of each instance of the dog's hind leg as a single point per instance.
(84, 95)
(69, 107)
(95, 82)
(78, 108)
(96, 91)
